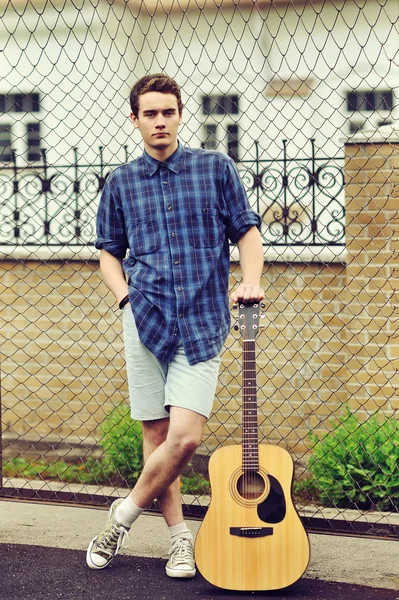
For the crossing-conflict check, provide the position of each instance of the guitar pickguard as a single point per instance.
(273, 508)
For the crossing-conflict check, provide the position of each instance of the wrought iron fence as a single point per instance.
(252, 74)
(301, 200)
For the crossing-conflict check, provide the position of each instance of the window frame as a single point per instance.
(20, 112)
(220, 130)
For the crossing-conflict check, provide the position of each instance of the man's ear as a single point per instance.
(134, 120)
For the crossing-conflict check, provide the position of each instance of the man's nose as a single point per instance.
(160, 121)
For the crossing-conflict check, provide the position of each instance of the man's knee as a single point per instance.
(154, 434)
(183, 446)
(185, 432)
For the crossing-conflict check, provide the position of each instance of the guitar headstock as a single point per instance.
(248, 320)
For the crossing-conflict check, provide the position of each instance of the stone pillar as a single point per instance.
(372, 275)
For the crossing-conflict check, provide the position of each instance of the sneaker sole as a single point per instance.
(180, 574)
(89, 561)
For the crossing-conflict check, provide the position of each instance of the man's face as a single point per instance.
(158, 121)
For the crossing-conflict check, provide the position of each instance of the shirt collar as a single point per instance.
(173, 163)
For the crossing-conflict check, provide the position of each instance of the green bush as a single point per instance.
(355, 465)
(122, 444)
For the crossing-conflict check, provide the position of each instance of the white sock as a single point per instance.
(127, 512)
(179, 530)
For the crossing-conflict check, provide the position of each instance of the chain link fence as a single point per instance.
(304, 97)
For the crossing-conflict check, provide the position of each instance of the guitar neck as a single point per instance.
(250, 450)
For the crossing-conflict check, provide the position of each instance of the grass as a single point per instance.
(90, 472)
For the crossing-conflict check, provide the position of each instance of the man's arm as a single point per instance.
(113, 275)
(251, 260)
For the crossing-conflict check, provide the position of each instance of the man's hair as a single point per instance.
(154, 83)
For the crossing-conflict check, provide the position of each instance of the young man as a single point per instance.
(174, 209)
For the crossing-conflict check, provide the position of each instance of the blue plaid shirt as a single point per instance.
(176, 219)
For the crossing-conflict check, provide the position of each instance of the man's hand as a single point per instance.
(247, 293)
(113, 275)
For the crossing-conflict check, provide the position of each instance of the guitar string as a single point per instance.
(251, 461)
(250, 422)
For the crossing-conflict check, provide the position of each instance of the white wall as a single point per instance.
(76, 57)
(84, 58)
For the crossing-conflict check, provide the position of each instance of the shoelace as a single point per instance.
(181, 549)
(116, 538)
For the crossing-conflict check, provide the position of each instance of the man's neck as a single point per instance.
(161, 154)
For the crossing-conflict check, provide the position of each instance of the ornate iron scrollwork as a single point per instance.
(300, 200)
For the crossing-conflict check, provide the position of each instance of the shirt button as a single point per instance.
(173, 234)
(180, 316)
(176, 262)
(179, 289)
(165, 182)
(169, 207)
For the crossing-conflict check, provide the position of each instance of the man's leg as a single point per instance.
(188, 392)
(159, 478)
(158, 438)
(168, 460)
(181, 557)
(169, 501)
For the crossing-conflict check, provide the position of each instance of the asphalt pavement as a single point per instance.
(42, 557)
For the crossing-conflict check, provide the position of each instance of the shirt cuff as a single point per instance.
(117, 250)
(241, 223)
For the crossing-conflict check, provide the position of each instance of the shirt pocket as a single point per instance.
(205, 227)
(143, 236)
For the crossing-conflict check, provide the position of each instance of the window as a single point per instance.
(211, 141)
(19, 103)
(232, 141)
(20, 126)
(5, 143)
(384, 122)
(220, 131)
(33, 138)
(368, 109)
(354, 127)
(220, 105)
(369, 100)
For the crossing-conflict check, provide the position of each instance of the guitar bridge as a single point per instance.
(251, 532)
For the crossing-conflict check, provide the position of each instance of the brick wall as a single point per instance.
(62, 353)
(329, 335)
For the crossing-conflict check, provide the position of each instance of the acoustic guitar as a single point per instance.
(251, 538)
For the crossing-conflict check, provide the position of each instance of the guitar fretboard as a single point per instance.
(250, 452)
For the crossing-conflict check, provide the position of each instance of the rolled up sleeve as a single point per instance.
(241, 222)
(241, 217)
(110, 222)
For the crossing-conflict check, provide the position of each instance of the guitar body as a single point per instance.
(251, 537)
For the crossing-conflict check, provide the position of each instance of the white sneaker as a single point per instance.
(105, 546)
(181, 562)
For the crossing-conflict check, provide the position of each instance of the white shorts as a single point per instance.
(155, 386)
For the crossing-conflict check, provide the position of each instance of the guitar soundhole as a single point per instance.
(250, 485)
